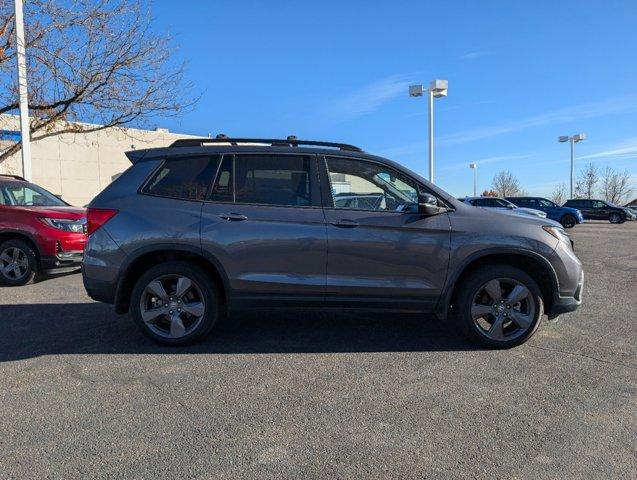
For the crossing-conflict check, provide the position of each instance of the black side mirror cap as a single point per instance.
(428, 205)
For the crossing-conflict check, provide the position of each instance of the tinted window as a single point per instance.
(272, 180)
(488, 202)
(527, 202)
(185, 177)
(362, 185)
(223, 189)
(598, 204)
(546, 203)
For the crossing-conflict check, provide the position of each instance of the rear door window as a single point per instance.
(282, 180)
(186, 178)
(223, 189)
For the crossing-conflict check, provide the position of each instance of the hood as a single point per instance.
(574, 211)
(515, 213)
(70, 213)
(530, 211)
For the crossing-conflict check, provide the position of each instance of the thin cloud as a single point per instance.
(369, 98)
(555, 117)
(624, 150)
(475, 54)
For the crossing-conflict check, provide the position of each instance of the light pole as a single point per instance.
(437, 89)
(573, 140)
(474, 167)
(25, 137)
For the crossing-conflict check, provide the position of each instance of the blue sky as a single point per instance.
(520, 74)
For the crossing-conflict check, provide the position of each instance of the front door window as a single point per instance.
(361, 185)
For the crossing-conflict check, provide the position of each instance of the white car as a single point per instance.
(503, 206)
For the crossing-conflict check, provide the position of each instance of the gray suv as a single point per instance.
(205, 226)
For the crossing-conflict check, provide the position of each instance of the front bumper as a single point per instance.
(66, 259)
(564, 304)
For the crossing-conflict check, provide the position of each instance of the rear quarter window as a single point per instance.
(186, 178)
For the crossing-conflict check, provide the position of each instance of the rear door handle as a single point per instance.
(344, 223)
(233, 217)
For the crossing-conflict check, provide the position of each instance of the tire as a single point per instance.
(615, 217)
(519, 319)
(18, 263)
(171, 318)
(568, 221)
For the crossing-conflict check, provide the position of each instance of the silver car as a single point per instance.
(503, 206)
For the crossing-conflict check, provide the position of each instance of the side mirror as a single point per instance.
(510, 207)
(428, 205)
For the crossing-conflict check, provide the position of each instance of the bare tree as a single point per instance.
(559, 194)
(92, 61)
(616, 186)
(506, 184)
(587, 181)
(489, 193)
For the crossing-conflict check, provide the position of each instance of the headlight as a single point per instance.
(73, 226)
(557, 232)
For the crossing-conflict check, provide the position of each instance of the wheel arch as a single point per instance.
(25, 237)
(142, 260)
(532, 263)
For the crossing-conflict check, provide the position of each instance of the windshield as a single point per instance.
(27, 194)
(500, 202)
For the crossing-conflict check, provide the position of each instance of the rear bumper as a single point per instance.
(99, 290)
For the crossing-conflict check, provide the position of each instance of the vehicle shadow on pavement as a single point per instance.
(92, 328)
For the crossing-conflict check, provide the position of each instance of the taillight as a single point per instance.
(96, 217)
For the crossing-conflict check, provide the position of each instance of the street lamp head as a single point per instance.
(579, 137)
(416, 90)
(439, 88)
(473, 165)
(562, 139)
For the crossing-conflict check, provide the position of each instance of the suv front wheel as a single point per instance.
(499, 306)
(175, 303)
(18, 263)
(615, 218)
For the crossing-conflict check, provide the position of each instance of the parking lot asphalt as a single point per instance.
(322, 395)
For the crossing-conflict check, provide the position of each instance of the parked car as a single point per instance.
(206, 226)
(503, 206)
(599, 210)
(568, 217)
(38, 232)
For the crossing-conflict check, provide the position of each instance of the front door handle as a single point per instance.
(233, 217)
(344, 223)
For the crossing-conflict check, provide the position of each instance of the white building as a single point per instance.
(78, 166)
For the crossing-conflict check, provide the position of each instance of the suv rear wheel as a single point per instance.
(18, 263)
(175, 303)
(499, 306)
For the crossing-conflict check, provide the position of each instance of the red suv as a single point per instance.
(38, 232)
